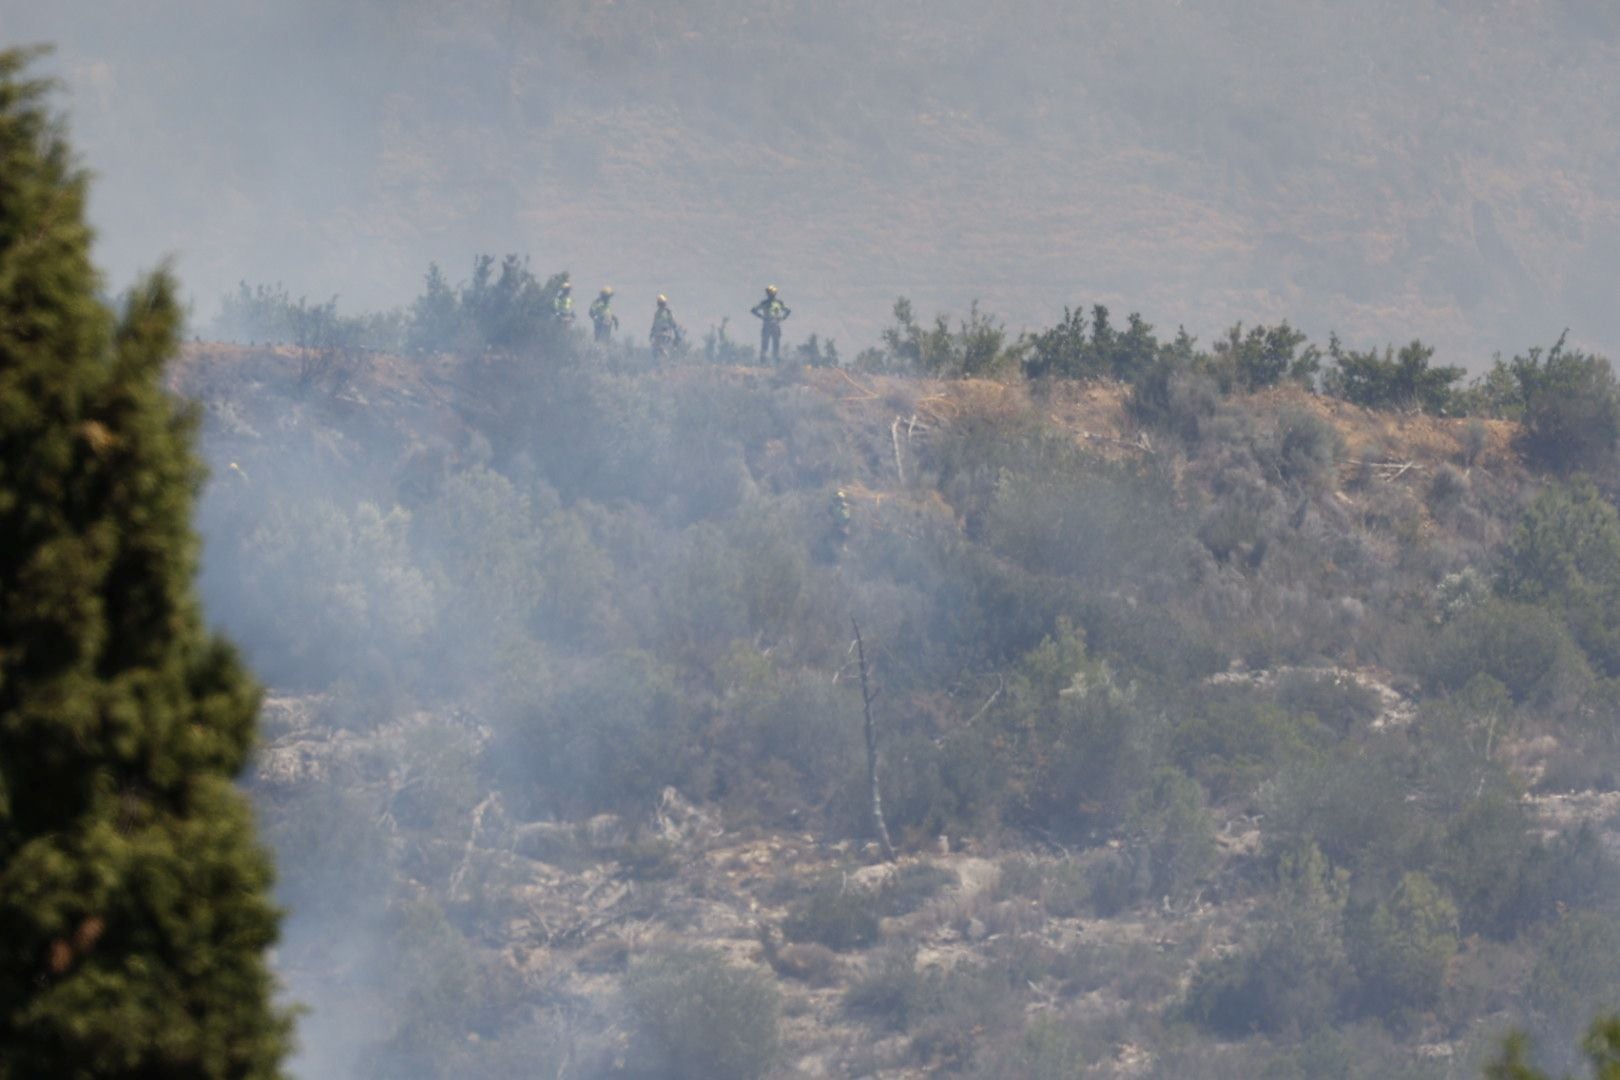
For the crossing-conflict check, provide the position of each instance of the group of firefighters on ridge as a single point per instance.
(666, 333)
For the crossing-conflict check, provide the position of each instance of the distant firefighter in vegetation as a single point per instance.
(770, 312)
(839, 513)
(666, 333)
(829, 546)
(562, 305)
(602, 317)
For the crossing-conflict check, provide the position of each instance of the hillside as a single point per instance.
(1221, 745)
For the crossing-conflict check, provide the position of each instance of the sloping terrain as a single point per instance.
(498, 823)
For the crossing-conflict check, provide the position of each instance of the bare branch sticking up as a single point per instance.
(871, 749)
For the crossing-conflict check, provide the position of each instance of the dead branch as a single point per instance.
(899, 461)
(1001, 684)
(1385, 470)
(871, 749)
(472, 838)
(867, 393)
(1140, 444)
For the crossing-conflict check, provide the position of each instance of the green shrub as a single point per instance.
(1264, 356)
(1353, 806)
(489, 560)
(609, 738)
(1575, 977)
(509, 310)
(1116, 881)
(1175, 831)
(1067, 351)
(719, 347)
(1601, 1049)
(1481, 859)
(694, 1016)
(945, 1009)
(1078, 747)
(1569, 404)
(315, 592)
(1292, 978)
(1574, 870)
(1524, 646)
(801, 732)
(1400, 946)
(1232, 740)
(1565, 557)
(1391, 381)
(913, 885)
(1061, 513)
(976, 348)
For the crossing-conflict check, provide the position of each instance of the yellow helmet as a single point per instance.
(607, 290)
(662, 300)
(770, 290)
(566, 286)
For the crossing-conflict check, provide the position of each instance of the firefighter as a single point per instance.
(562, 305)
(666, 333)
(839, 513)
(602, 317)
(770, 312)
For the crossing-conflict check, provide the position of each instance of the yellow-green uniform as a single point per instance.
(770, 312)
(602, 318)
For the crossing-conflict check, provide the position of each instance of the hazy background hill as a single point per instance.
(1380, 168)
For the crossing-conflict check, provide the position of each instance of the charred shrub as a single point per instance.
(1337, 700)
(841, 914)
(693, 1014)
(837, 914)
(1307, 448)
(945, 1009)
(1172, 397)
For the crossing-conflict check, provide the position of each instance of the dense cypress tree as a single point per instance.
(134, 908)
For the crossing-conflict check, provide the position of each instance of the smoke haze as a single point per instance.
(1227, 726)
(1379, 169)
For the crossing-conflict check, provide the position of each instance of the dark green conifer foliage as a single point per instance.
(134, 908)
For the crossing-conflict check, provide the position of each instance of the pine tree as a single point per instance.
(134, 907)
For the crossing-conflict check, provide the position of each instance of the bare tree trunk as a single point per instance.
(871, 749)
